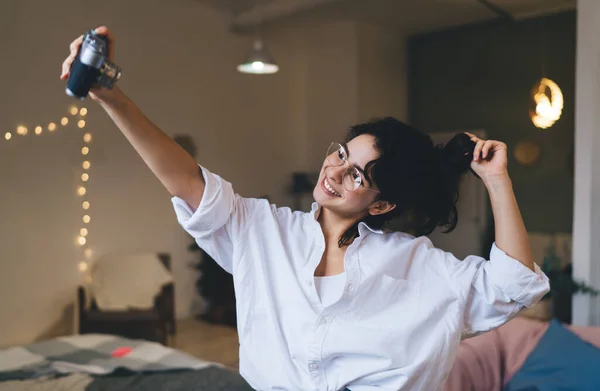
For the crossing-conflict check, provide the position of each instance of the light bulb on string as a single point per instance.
(88, 253)
(22, 130)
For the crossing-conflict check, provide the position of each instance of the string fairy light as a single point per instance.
(82, 239)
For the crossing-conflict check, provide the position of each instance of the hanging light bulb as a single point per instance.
(547, 103)
(259, 61)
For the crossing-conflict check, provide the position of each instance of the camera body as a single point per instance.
(92, 67)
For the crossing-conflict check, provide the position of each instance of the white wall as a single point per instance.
(586, 216)
(179, 66)
(382, 72)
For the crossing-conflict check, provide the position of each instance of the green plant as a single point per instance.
(561, 278)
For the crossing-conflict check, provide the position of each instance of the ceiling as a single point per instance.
(412, 16)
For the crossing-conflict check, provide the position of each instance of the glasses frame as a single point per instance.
(349, 170)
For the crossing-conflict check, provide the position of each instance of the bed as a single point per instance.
(94, 362)
(529, 355)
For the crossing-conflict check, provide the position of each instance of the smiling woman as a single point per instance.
(329, 297)
(79, 115)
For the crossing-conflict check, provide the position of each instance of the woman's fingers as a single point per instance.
(74, 48)
(477, 150)
(486, 148)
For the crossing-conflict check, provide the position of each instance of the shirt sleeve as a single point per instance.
(220, 219)
(494, 291)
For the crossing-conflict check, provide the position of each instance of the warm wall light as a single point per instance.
(83, 111)
(547, 103)
(86, 165)
(86, 219)
(81, 124)
(64, 121)
(7, 135)
(52, 126)
(38, 130)
(85, 205)
(87, 137)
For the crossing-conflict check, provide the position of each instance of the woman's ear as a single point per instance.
(380, 207)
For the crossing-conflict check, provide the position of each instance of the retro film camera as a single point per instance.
(92, 67)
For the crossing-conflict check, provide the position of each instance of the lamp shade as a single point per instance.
(259, 61)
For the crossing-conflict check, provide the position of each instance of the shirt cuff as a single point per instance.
(214, 209)
(517, 281)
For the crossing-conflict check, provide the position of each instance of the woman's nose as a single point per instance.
(336, 173)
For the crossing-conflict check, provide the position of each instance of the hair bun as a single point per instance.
(457, 154)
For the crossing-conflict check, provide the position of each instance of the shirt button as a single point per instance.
(350, 287)
(312, 366)
(309, 282)
(323, 321)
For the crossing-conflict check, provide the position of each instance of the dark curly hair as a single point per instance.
(419, 178)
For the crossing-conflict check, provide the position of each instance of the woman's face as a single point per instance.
(330, 191)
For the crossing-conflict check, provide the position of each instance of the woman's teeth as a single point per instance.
(328, 187)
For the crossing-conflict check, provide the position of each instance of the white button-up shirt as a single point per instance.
(398, 322)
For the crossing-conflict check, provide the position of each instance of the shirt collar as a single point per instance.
(363, 228)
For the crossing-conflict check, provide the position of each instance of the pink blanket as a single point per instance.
(487, 362)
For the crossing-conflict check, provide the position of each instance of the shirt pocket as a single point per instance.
(386, 301)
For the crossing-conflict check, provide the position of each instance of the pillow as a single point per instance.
(128, 281)
(560, 361)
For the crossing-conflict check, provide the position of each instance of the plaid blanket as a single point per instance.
(94, 354)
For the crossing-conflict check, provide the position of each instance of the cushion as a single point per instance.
(128, 281)
(560, 361)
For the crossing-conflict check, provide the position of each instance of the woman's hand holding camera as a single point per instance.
(100, 94)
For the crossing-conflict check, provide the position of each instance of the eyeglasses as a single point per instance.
(353, 178)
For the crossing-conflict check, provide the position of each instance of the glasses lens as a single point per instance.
(336, 155)
(352, 179)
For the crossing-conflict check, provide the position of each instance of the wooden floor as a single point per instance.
(208, 342)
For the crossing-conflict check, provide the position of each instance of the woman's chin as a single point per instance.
(324, 199)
